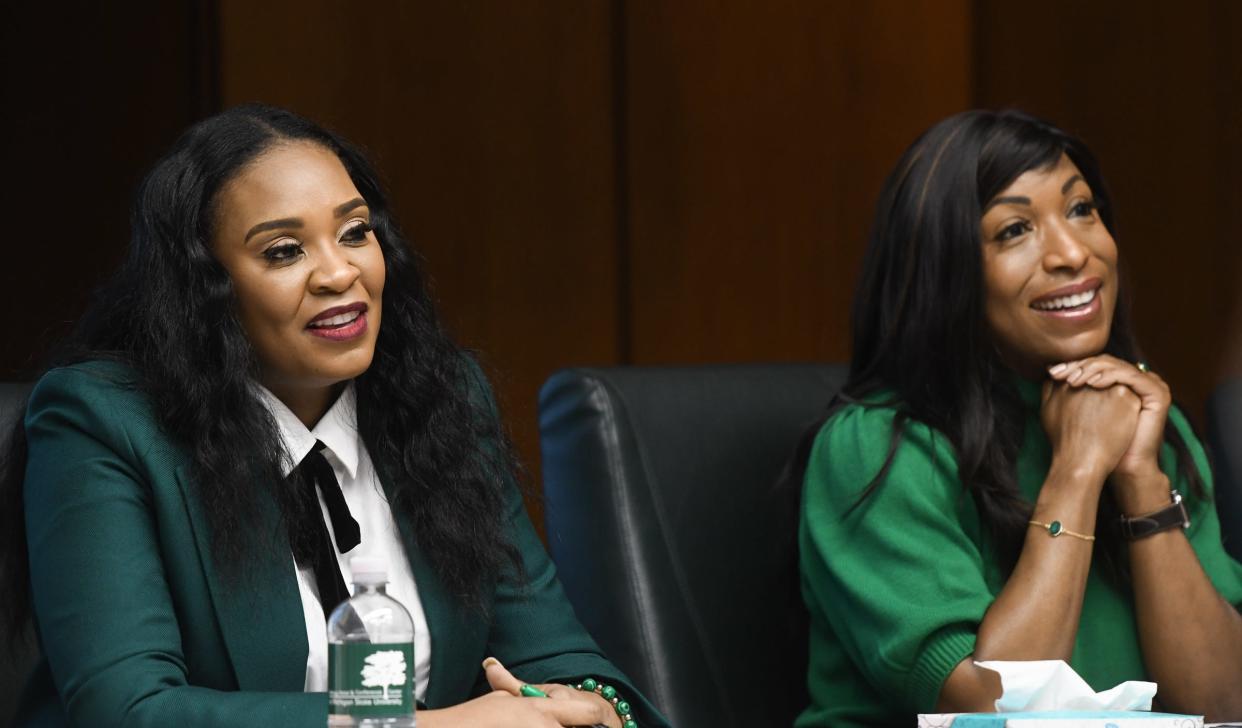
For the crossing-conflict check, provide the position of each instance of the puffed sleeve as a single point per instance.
(1204, 531)
(900, 578)
(534, 630)
(105, 616)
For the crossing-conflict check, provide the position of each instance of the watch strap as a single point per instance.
(1162, 520)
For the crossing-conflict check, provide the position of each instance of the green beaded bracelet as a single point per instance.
(609, 693)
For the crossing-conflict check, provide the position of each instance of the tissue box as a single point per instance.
(1062, 719)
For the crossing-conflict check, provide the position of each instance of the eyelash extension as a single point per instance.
(282, 253)
(357, 232)
(286, 252)
(1085, 208)
(1003, 236)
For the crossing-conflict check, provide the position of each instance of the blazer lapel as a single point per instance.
(260, 615)
(458, 637)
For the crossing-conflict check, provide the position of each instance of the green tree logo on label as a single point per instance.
(384, 669)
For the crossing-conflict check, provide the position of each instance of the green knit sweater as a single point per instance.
(897, 589)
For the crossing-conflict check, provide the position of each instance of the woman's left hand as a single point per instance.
(593, 708)
(1104, 371)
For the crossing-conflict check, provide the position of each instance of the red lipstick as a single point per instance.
(340, 323)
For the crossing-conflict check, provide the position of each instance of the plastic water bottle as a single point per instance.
(370, 654)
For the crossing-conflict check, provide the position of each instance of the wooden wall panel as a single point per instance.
(759, 136)
(624, 182)
(493, 123)
(1152, 88)
(93, 94)
(1228, 86)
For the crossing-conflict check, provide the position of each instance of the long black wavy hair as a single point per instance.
(920, 338)
(169, 313)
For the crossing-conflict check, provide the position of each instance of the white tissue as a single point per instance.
(1053, 685)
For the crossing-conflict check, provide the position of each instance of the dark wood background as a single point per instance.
(608, 182)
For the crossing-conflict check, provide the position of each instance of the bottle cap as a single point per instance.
(369, 570)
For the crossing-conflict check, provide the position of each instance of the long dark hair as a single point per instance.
(169, 313)
(920, 341)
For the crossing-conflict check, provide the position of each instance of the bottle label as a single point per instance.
(370, 680)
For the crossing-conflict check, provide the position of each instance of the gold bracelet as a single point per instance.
(1056, 529)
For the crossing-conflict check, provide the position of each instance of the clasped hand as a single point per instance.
(505, 707)
(1106, 415)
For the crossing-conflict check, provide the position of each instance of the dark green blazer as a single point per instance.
(139, 628)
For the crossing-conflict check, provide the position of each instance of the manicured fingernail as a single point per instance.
(530, 691)
(491, 661)
(1054, 370)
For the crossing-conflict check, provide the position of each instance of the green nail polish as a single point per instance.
(530, 691)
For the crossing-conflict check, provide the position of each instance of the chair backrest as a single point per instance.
(16, 658)
(12, 400)
(670, 539)
(1224, 435)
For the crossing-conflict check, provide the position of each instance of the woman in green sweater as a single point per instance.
(978, 489)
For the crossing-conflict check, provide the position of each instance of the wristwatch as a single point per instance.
(1162, 520)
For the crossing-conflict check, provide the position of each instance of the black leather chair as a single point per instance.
(671, 540)
(1224, 435)
(16, 657)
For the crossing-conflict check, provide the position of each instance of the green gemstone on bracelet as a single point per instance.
(1054, 528)
(609, 693)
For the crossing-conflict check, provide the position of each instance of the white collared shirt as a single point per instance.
(344, 451)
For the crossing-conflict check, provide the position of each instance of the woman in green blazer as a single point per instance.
(158, 524)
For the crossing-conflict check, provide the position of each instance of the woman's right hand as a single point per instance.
(497, 709)
(1089, 429)
(504, 707)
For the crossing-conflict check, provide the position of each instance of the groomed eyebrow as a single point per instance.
(284, 222)
(1008, 201)
(1017, 200)
(348, 207)
(296, 222)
